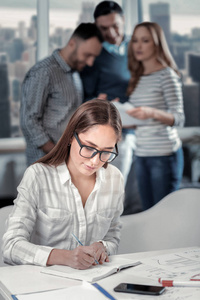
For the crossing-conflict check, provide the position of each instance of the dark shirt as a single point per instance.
(109, 74)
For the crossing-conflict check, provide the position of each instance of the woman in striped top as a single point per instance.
(156, 94)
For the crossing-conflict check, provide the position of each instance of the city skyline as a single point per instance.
(14, 164)
(178, 6)
(21, 48)
(182, 21)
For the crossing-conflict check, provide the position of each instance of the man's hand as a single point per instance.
(102, 96)
(115, 99)
(48, 147)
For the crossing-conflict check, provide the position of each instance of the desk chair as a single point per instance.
(4, 212)
(173, 222)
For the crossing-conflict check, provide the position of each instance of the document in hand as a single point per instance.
(94, 273)
(127, 120)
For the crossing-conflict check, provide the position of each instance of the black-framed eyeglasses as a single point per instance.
(89, 152)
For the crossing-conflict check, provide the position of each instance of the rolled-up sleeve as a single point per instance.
(112, 238)
(17, 247)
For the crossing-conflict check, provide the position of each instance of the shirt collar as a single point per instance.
(65, 176)
(101, 174)
(112, 48)
(62, 63)
(63, 173)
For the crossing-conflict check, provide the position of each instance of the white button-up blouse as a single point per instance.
(49, 208)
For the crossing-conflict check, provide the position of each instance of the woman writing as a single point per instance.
(156, 94)
(71, 190)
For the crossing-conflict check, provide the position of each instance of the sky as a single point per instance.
(184, 13)
(177, 6)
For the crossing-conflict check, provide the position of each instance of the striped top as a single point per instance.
(50, 94)
(49, 208)
(161, 90)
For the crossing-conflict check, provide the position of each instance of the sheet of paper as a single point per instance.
(151, 272)
(83, 292)
(127, 120)
(29, 279)
(169, 294)
(182, 264)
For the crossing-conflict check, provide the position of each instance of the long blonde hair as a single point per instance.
(162, 53)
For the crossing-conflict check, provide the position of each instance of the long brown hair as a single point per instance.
(90, 113)
(162, 53)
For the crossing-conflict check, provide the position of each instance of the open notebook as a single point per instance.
(94, 273)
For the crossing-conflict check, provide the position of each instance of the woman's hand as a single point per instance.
(99, 251)
(82, 257)
(145, 112)
(142, 112)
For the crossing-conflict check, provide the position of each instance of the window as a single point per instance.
(18, 51)
(64, 16)
(18, 34)
(181, 24)
(18, 47)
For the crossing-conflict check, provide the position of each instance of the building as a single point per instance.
(32, 30)
(193, 65)
(87, 11)
(15, 49)
(5, 125)
(191, 97)
(160, 13)
(16, 90)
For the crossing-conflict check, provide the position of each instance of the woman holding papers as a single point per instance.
(71, 196)
(156, 94)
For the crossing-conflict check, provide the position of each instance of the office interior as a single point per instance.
(31, 30)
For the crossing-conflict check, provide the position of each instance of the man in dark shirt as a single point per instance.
(108, 79)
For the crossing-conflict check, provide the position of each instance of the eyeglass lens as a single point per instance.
(89, 152)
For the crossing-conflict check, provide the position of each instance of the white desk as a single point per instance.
(28, 279)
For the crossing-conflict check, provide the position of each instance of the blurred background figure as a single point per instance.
(156, 93)
(52, 90)
(108, 79)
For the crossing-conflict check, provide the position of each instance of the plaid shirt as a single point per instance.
(49, 208)
(50, 94)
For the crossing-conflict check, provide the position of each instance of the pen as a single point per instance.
(82, 245)
(188, 283)
(103, 291)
